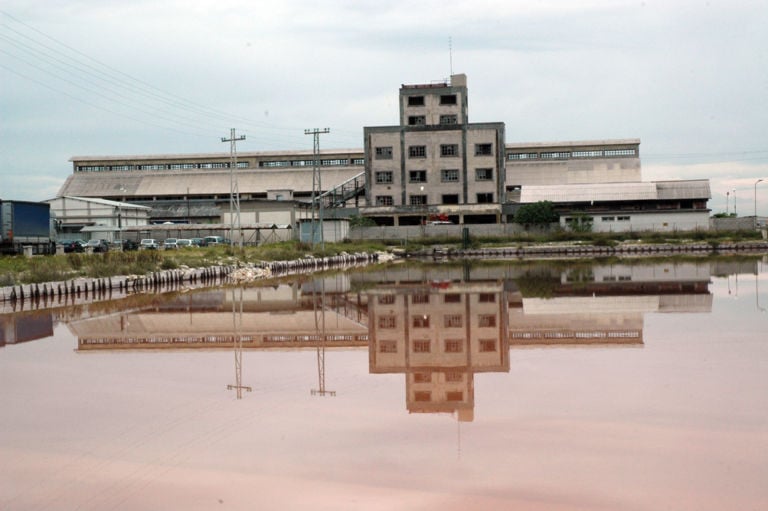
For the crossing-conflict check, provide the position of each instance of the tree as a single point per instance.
(538, 213)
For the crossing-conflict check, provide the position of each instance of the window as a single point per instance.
(483, 149)
(384, 153)
(454, 396)
(449, 119)
(448, 99)
(487, 345)
(417, 176)
(384, 177)
(421, 321)
(450, 198)
(417, 151)
(415, 100)
(454, 377)
(422, 396)
(449, 175)
(484, 198)
(420, 298)
(608, 218)
(586, 154)
(384, 200)
(420, 377)
(386, 299)
(486, 298)
(486, 320)
(522, 156)
(557, 155)
(421, 346)
(358, 161)
(387, 346)
(483, 174)
(416, 120)
(387, 322)
(619, 152)
(418, 200)
(453, 346)
(452, 298)
(622, 218)
(452, 321)
(449, 149)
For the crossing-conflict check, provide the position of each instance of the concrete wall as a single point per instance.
(658, 222)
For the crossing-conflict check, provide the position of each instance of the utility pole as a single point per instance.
(320, 328)
(234, 193)
(317, 187)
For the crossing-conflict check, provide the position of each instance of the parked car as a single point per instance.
(198, 242)
(170, 244)
(72, 246)
(183, 243)
(213, 240)
(148, 244)
(98, 246)
(125, 245)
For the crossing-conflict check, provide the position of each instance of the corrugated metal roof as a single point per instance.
(693, 189)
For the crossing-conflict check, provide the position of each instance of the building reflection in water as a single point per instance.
(439, 326)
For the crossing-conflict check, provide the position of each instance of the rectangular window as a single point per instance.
(418, 200)
(450, 198)
(619, 152)
(454, 396)
(483, 149)
(454, 377)
(486, 320)
(422, 396)
(486, 298)
(387, 346)
(448, 99)
(384, 153)
(449, 175)
(452, 298)
(384, 200)
(449, 119)
(484, 198)
(483, 174)
(417, 151)
(415, 100)
(522, 156)
(420, 298)
(622, 218)
(384, 177)
(420, 377)
(452, 320)
(387, 322)
(417, 176)
(487, 345)
(420, 321)
(608, 218)
(557, 155)
(421, 346)
(586, 154)
(449, 150)
(453, 346)
(386, 299)
(417, 120)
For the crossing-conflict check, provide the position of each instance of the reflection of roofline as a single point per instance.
(553, 336)
(226, 341)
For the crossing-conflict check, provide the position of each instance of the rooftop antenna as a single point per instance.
(450, 55)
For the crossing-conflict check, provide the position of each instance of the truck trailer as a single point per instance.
(26, 224)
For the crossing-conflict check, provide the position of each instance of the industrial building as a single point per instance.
(433, 165)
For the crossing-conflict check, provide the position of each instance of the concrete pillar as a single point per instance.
(27, 251)
(59, 250)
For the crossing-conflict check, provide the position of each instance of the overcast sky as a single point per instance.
(688, 78)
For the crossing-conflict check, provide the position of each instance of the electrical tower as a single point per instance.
(234, 192)
(317, 188)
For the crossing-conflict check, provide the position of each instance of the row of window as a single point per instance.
(564, 155)
(336, 162)
(421, 120)
(159, 166)
(420, 151)
(449, 346)
(385, 177)
(421, 200)
(449, 321)
(445, 99)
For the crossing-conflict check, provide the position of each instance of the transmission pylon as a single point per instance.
(320, 328)
(234, 192)
(317, 188)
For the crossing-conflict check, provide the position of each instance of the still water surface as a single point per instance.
(530, 386)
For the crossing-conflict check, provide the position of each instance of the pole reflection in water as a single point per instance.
(319, 314)
(237, 343)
